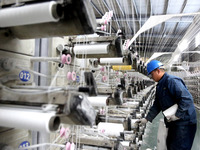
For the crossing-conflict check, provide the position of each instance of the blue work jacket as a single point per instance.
(171, 90)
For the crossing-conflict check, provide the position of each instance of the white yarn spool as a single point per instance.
(72, 146)
(132, 103)
(28, 14)
(134, 124)
(138, 115)
(28, 119)
(170, 111)
(98, 100)
(125, 143)
(91, 49)
(110, 129)
(112, 60)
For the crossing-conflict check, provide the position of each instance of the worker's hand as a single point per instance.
(172, 118)
(142, 121)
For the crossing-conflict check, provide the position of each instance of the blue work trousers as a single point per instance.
(181, 137)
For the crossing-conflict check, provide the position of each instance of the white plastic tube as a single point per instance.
(98, 100)
(28, 119)
(28, 14)
(112, 60)
(91, 49)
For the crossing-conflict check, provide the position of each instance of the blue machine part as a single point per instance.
(24, 144)
(24, 76)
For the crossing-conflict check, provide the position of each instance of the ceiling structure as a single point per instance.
(130, 16)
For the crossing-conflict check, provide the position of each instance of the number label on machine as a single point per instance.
(24, 76)
(77, 79)
(24, 144)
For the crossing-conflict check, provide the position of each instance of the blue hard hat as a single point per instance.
(152, 65)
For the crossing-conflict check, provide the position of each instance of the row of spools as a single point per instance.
(116, 125)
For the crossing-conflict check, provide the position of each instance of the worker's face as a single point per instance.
(155, 75)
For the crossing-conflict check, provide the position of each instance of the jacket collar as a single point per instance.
(163, 78)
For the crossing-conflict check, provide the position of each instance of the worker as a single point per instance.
(171, 90)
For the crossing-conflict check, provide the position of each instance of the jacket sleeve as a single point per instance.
(182, 96)
(154, 111)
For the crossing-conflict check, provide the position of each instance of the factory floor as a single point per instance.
(150, 137)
